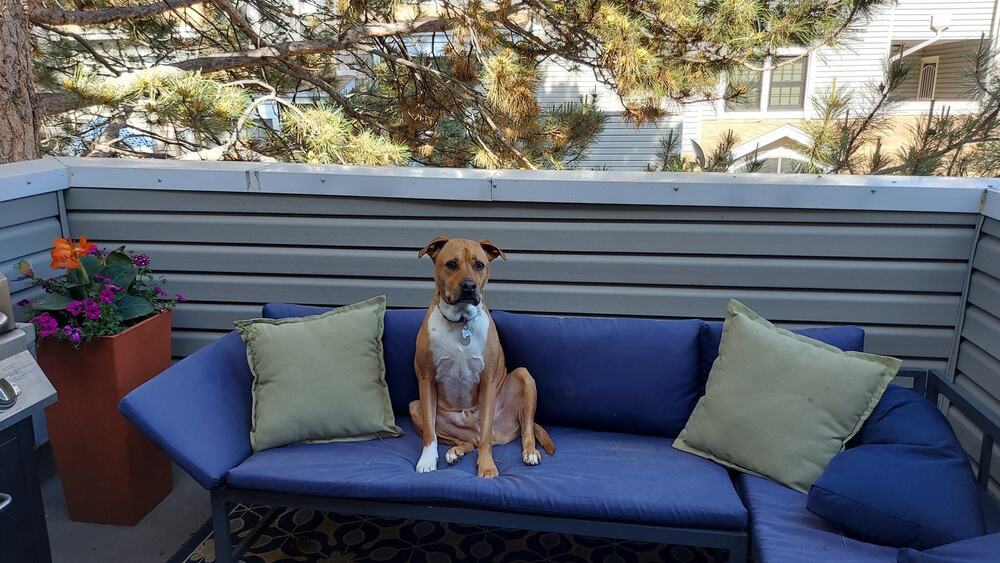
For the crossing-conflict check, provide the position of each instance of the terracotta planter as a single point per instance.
(111, 474)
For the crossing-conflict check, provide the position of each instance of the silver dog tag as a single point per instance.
(466, 334)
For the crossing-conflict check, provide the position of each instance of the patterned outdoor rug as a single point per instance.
(310, 536)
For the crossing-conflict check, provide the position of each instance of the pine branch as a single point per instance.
(259, 57)
(85, 44)
(39, 14)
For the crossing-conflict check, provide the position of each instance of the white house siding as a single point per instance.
(970, 19)
(621, 146)
(858, 60)
(953, 73)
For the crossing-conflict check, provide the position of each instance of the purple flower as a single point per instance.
(160, 292)
(106, 295)
(74, 308)
(47, 325)
(180, 298)
(101, 278)
(23, 303)
(113, 287)
(93, 309)
(140, 261)
(73, 334)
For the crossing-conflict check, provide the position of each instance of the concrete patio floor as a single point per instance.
(160, 534)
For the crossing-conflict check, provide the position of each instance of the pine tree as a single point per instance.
(939, 143)
(444, 83)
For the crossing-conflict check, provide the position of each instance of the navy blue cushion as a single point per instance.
(198, 410)
(399, 341)
(904, 481)
(783, 531)
(594, 475)
(847, 338)
(984, 549)
(615, 374)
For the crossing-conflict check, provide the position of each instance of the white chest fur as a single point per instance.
(458, 364)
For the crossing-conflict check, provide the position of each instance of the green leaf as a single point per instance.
(92, 264)
(132, 307)
(121, 274)
(118, 256)
(52, 302)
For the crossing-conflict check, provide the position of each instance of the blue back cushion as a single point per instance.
(399, 340)
(614, 374)
(847, 338)
(903, 481)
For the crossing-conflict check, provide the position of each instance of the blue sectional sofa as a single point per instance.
(613, 393)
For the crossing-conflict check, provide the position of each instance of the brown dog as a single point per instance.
(467, 398)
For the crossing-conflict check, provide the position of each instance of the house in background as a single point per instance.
(936, 40)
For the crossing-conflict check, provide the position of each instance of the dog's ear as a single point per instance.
(492, 250)
(433, 247)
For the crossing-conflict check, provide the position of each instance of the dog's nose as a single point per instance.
(469, 285)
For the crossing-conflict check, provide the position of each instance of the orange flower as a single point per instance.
(66, 254)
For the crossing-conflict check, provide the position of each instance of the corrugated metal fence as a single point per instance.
(977, 364)
(891, 255)
(27, 227)
(900, 274)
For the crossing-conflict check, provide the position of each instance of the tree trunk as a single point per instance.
(18, 134)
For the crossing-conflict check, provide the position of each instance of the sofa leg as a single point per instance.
(220, 528)
(738, 552)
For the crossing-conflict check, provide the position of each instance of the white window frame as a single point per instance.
(765, 93)
(925, 61)
(780, 153)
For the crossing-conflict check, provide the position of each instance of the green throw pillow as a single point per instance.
(319, 378)
(781, 405)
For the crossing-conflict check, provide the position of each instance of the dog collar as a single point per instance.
(461, 318)
(466, 329)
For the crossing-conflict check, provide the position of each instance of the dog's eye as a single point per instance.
(452, 265)
(479, 266)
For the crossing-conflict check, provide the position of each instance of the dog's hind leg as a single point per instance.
(526, 396)
(461, 430)
(456, 452)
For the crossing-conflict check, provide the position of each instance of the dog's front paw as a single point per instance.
(487, 470)
(428, 460)
(531, 457)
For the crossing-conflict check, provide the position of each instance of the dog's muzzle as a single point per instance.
(466, 298)
(468, 293)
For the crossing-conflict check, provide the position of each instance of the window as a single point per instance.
(750, 81)
(788, 84)
(776, 165)
(782, 88)
(928, 78)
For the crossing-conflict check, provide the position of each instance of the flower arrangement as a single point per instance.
(99, 293)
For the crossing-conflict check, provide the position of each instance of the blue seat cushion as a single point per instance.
(596, 475)
(983, 549)
(783, 531)
(399, 341)
(847, 338)
(617, 374)
(904, 481)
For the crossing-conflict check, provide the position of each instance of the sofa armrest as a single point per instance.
(198, 410)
